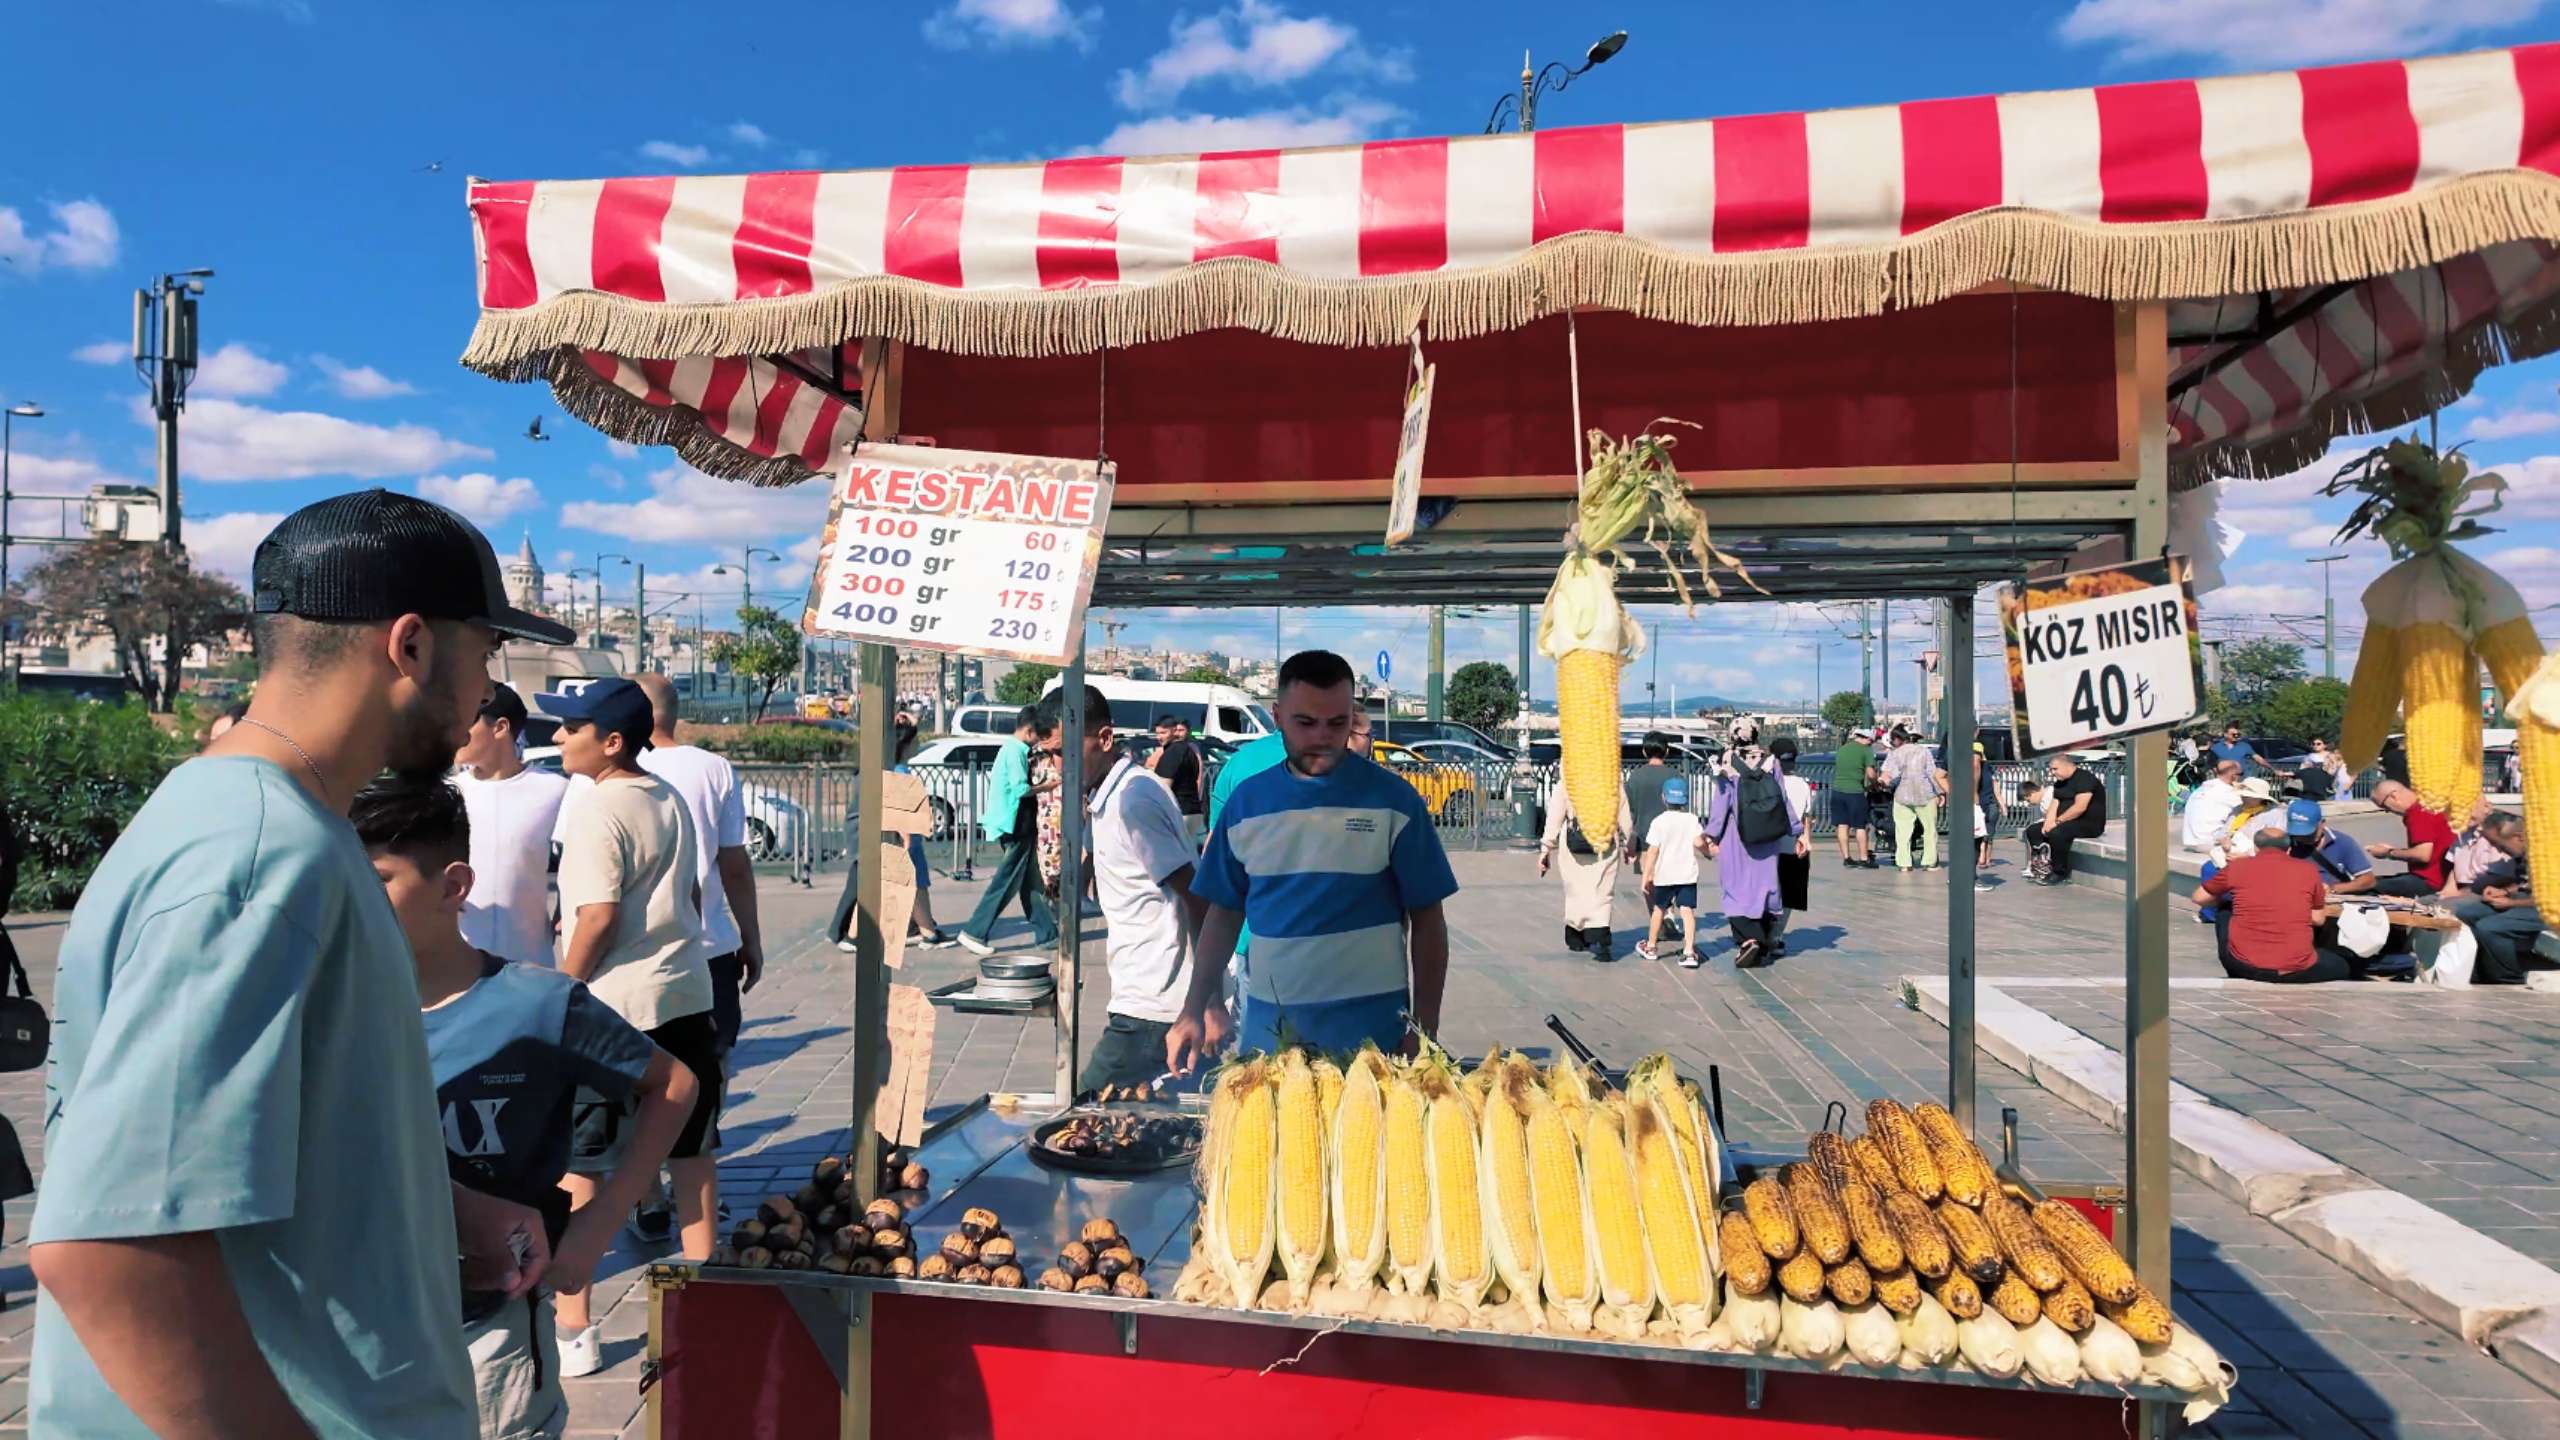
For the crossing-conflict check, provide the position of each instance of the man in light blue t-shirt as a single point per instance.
(1333, 861)
(246, 1225)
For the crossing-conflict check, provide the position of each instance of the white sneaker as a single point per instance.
(1645, 950)
(582, 1353)
(847, 946)
(1689, 960)
(973, 944)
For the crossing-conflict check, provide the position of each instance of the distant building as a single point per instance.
(522, 577)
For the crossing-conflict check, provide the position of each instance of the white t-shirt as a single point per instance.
(1674, 839)
(629, 843)
(508, 913)
(2210, 807)
(711, 795)
(1138, 843)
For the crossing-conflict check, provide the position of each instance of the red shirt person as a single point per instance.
(2431, 841)
(2271, 902)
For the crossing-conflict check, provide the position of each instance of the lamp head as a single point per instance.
(26, 410)
(1605, 47)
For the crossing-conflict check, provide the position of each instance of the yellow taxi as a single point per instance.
(1449, 790)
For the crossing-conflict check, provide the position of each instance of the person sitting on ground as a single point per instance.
(2344, 866)
(512, 1044)
(2210, 807)
(2497, 903)
(2257, 797)
(2472, 849)
(2271, 902)
(2077, 811)
(2429, 851)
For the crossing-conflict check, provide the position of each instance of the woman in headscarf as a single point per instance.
(1751, 821)
(1590, 879)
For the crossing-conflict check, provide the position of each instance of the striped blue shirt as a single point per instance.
(1324, 870)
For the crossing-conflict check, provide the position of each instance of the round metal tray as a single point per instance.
(994, 969)
(1113, 1164)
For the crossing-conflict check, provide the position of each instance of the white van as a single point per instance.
(1221, 712)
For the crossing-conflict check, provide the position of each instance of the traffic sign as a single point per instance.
(1385, 668)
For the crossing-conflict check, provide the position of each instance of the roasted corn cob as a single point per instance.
(1962, 1167)
(2146, 1319)
(1873, 1163)
(2093, 1261)
(1878, 1244)
(2016, 1301)
(1818, 1218)
(1746, 1266)
(1959, 1294)
(1849, 1282)
(1898, 1290)
(1895, 1130)
(2069, 1306)
(1977, 1250)
(1828, 1153)
(2031, 1256)
(1801, 1278)
(1925, 1247)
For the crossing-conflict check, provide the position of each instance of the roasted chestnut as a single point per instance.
(1076, 1258)
(935, 1267)
(1102, 1234)
(1093, 1285)
(996, 1250)
(1005, 1277)
(1054, 1278)
(978, 1223)
(1132, 1285)
(972, 1275)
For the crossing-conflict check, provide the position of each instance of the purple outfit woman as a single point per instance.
(1749, 873)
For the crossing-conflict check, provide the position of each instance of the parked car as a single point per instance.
(954, 770)
(775, 821)
(1419, 732)
(1451, 791)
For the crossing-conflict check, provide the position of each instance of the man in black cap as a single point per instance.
(249, 1229)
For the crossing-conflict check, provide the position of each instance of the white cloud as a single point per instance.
(2265, 33)
(1254, 44)
(104, 352)
(1011, 22)
(2260, 601)
(683, 157)
(1346, 123)
(621, 449)
(482, 497)
(748, 134)
(2507, 425)
(686, 506)
(225, 544)
(608, 477)
(360, 382)
(83, 237)
(236, 372)
(808, 157)
(226, 440)
(2533, 489)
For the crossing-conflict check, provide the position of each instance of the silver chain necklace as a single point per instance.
(312, 764)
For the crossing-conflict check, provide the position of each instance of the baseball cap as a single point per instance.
(1675, 791)
(378, 555)
(504, 704)
(614, 705)
(2302, 817)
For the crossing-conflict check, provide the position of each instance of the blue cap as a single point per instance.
(614, 705)
(2302, 817)
(1675, 791)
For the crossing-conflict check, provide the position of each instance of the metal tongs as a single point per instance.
(1618, 1078)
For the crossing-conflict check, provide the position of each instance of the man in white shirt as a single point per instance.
(732, 935)
(2211, 806)
(1142, 864)
(513, 811)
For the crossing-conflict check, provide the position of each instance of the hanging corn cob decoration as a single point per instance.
(1629, 487)
(2535, 703)
(2430, 620)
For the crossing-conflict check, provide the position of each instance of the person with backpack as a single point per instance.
(1751, 821)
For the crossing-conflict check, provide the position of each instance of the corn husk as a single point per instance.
(1870, 1334)
(1752, 1320)
(2052, 1355)
(1810, 1332)
(1928, 1334)
(1990, 1345)
(2108, 1355)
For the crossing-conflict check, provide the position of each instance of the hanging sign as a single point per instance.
(961, 551)
(2098, 654)
(1406, 498)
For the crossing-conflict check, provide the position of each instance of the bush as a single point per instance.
(72, 774)
(778, 744)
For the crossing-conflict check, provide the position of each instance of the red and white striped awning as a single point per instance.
(2351, 246)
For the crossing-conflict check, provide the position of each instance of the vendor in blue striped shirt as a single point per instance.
(1334, 862)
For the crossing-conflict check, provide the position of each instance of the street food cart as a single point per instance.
(1928, 348)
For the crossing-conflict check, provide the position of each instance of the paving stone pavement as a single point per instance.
(2322, 1353)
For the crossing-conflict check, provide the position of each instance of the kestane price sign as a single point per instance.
(961, 550)
(2102, 653)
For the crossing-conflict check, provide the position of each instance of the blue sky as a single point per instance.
(313, 153)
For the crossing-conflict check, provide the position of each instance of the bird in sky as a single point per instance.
(534, 430)
(432, 167)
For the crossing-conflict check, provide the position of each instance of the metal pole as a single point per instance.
(2146, 907)
(1866, 658)
(1070, 875)
(1884, 652)
(1524, 682)
(1434, 697)
(1962, 785)
(7, 416)
(871, 943)
(699, 627)
(640, 610)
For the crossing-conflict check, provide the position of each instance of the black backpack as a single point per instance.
(1760, 806)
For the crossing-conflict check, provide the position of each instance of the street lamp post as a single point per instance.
(747, 567)
(23, 410)
(596, 636)
(573, 577)
(2328, 617)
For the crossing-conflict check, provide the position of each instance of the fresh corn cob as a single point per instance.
(1510, 1207)
(1587, 713)
(1977, 1250)
(2146, 1319)
(1407, 1185)
(1617, 1215)
(1849, 1282)
(1903, 1144)
(1479, 1080)
(1357, 1177)
(1571, 1089)
(2093, 1261)
(1874, 1164)
(2466, 775)
(1873, 1234)
(1959, 1294)
(2070, 1307)
(1746, 1266)
(1563, 1213)
(1461, 1258)
(2016, 1301)
(2373, 696)
(1682, 1281)
(1825, 1229)
(1925, 1247)
(2031, 1256)
(1299, 1171)
(1828, 1153)
(1772, 1219)
(2439, 695)
(1898, 1290)
(2531, 684)
(1695, 1134)
(1962, 1166)
(1328, 1096)
(1246, 1185)
(1801, 1278)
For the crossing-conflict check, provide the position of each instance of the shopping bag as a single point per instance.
(2454, 959)
(2363, 930)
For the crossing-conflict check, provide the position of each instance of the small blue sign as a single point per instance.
(1383, 666)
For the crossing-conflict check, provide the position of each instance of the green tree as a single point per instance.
(2252, 672)
(1482, 694)
(2307, 710)
(1023, 683)
(766, 650)
(71, 776)
(1202, 675)
(1846, 710)
(153, 606)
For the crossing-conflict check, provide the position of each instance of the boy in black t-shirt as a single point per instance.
(510, 1045)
